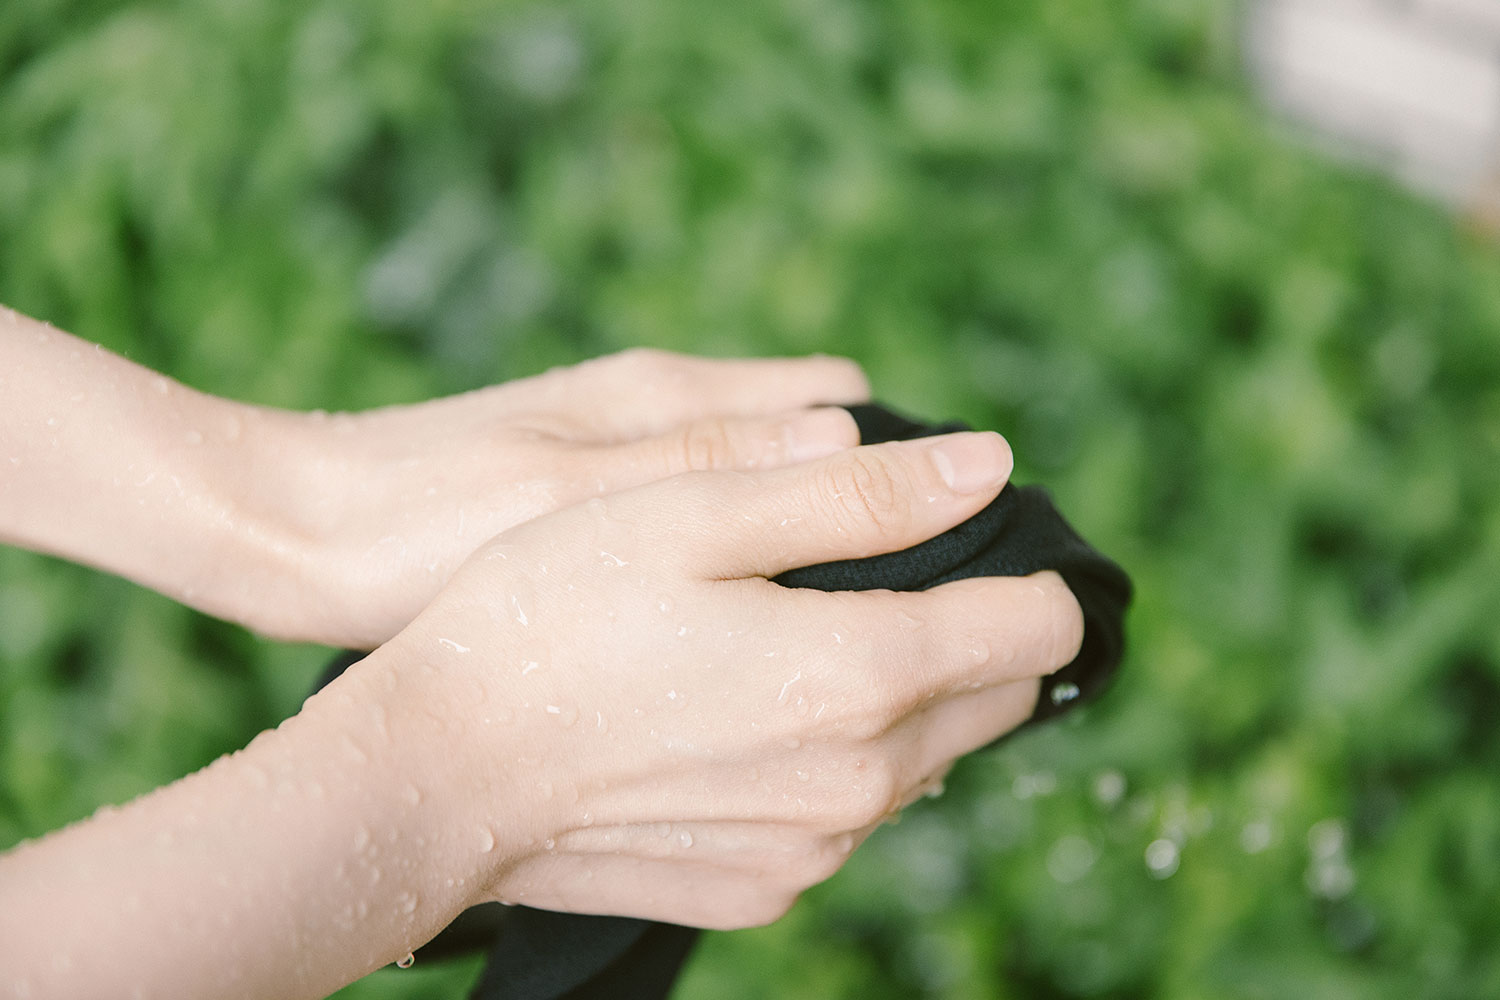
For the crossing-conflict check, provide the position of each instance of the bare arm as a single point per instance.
(609, 709)
(340, 528)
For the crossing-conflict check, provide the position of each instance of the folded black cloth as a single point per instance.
(539, 955)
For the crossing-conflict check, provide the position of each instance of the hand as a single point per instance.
(340, 529)
(609, 709)
(648, 726)
(391, 501)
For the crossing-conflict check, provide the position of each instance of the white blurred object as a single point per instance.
(1413, 86)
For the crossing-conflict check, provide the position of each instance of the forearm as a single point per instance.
(325, 849)
(107, 463)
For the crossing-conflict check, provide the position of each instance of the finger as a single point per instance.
(717, 443)
(643, 392)
(676, 890)
(857, 503)
(954, 727)
(978, 632)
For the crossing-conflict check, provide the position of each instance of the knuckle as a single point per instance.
(643, 359)
(865, 489)
(707, 445)
(874, 708)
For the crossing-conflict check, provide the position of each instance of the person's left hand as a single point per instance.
(387, 503)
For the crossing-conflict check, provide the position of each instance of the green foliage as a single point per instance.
(1268, 385)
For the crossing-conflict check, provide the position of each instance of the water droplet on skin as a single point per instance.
(407, 962)
(161, 385)
(411, 795)
(193, 437)
(361, 838)
(685, 839)
(801, 707)
(803, 776)
(1064, 693)
(564, 714)
(549, 844)
(486, 840)
(979, 651)
(664, 605)
(450, 644)
(257, 777)
(610, 559)
(663, 830)
(790, 681)
(545, 787)
(527, 666)
(906, 622)
(406, 902)
(515, 605)
(838, 639)
(599, 722)
(791, 743)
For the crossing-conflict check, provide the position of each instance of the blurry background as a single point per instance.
(1265, 381)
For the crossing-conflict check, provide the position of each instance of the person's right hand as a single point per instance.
(615, 711)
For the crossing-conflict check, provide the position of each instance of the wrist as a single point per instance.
(462, 751)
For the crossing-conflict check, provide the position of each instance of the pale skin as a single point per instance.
(599, 705)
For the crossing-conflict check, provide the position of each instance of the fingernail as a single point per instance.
(819, 433)
(971, 463)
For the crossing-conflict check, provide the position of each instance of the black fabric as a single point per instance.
(540, 955)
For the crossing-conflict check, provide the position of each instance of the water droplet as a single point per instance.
(406, 902)
(527, 666)
(361, 838)
(193, 437)
(906, 622)
(801, 707)
(411, 795)
(565, 714)
(545, 787)
(610, 559)
(1162, 858)
(450, 644)
(257, 776)
(781, 697)
(663, 830)
(803, 776)
(979, 651)
(685, 839)
(486, 840)
(515, 604)
(1064, 693)
(407, 962)
(549, 844)
(791, 743)
(664, 604)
